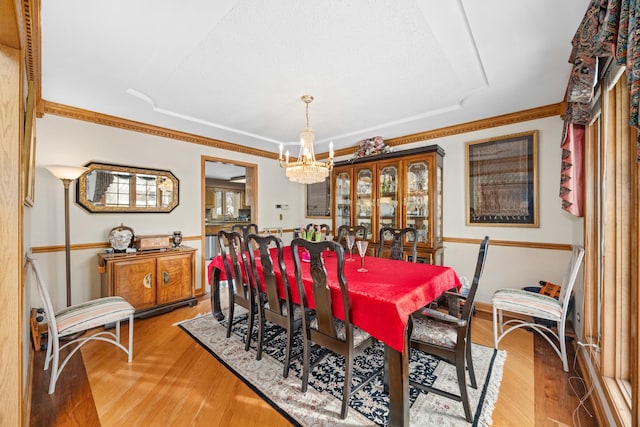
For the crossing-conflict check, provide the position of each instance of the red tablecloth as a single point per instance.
(382, 298)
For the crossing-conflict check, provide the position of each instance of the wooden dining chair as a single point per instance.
(448, 335)
(69, 326)
(533, 305)
(360, 231)
(398, 237)
(245, 229)
(318, 324)
(323, 229)
(273, 305)
(240, 290)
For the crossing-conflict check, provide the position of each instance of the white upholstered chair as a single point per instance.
(534, 305)
(79, 318)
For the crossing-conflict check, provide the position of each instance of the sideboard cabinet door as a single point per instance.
(174, 278)
(135, 281)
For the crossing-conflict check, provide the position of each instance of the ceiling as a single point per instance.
(235, 70)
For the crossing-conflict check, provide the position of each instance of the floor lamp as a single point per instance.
(67, 174)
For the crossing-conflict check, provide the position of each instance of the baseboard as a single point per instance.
(595, 397)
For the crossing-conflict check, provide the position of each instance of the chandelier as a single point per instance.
(306, 169)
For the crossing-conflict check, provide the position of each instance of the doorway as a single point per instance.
(229, 196)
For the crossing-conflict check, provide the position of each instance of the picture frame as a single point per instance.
(318, 199)
(29, 147)
(502, 181)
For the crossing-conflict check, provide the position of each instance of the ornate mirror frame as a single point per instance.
(123, 185)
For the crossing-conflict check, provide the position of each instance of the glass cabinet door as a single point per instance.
(417, 199)
(388, 196)
(343, 199)
(364, 198)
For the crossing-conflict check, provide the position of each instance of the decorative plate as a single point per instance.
(121, 238)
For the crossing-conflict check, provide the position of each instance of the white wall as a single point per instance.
(72, 142)
(509, 266)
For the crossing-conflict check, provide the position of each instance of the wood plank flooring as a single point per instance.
(173, 381)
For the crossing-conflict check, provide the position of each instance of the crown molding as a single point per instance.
(118, 122)
(505, 119)
(31, 16)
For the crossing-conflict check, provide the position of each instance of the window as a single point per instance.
(611, 243)
(227, 202)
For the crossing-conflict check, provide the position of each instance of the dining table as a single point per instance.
(382, 300)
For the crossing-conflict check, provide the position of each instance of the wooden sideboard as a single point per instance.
(153, 282)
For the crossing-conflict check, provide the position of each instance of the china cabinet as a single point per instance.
(398, 189)
(152, 282)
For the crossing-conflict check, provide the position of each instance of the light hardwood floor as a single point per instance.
(173, 381)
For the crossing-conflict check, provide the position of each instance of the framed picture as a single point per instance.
(319, 199)
(29, 147)
(502, 181)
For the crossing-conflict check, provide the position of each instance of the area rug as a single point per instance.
(320, 405)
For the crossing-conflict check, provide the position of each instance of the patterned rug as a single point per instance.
(320, 405)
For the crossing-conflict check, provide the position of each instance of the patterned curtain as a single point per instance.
(608, 29)
(572, 170)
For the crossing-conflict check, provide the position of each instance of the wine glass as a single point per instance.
(362, 250)
(350, 241)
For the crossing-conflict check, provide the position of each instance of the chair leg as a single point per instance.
(47, 358)
(495, 327)
(462, 383)
(261, 326)
(563, 346)
(252, 309)
(346, 388)
(472, 373)
(287, 355)
(130, 358)
(231, 306)
(55, 354)
(305, 364)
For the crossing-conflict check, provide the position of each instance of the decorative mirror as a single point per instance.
(116, 188)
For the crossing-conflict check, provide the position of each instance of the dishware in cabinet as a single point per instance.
(342, 186)
(387, 195)
(364, 205)
(398, 189)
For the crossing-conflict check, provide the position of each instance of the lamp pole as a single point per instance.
(67, 174)
(67, 241)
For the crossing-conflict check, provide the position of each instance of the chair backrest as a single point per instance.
(398, 237)
(323, 229)
(569, 279)
(235, 266)
(245, 229)
(321, 292)
(360, 231)
(471, 296)
(266, 283)
(43, 291)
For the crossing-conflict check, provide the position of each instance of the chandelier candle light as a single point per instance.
(306, 169)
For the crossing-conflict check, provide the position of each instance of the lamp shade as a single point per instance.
(66, 172)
